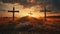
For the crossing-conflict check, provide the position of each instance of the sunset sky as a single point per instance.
(26, 6)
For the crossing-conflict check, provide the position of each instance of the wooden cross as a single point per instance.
(45, 10)
(13, 11)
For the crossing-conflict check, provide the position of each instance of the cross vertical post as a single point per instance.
(45, 12)
(13, 11)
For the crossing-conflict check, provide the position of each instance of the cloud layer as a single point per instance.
(53, 5)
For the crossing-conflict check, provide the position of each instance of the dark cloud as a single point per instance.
(2, 6)
(56, 4)
(6, 1)
(2, 10)
(15, 1)
(21, 1)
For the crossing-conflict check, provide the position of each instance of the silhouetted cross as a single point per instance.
(45, 10)
(13, 11)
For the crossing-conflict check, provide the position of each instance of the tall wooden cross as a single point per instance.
(13, 11)
(45, 10)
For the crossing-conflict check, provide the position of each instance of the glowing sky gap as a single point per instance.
(7, 5)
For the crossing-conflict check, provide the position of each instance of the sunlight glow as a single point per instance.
(35, 11)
